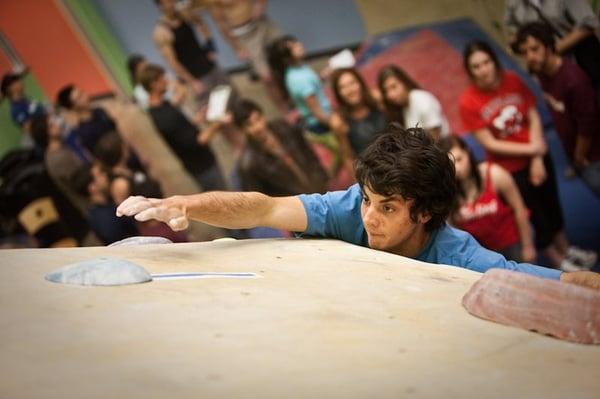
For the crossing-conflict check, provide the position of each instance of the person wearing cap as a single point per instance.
(22, 109)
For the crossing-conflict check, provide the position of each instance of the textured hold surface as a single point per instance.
(141, 240)
(100, 271)
(565, 311)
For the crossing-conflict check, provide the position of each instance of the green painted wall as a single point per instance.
(102, 39)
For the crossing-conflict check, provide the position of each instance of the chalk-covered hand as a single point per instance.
(169, 211)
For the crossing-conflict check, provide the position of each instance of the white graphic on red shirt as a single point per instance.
(479, 210)
(509, 121)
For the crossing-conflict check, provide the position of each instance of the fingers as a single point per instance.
(150, 213)
(179, 223)
(134, 205)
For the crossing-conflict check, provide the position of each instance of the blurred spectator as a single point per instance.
(93, 183)
(303, 86)
(358, 118)
(194, 62)
(573, 23)
(61, 163)
(22, 109)
(135, 65)
(489, 204)
(570, 98)
(409, 105)
(277, 159)
(500, 111)
(249, 30)
(180, 134)
(112, 154)
(89, 123)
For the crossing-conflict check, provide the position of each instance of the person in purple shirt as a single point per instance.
(570, 97)
(404, 194)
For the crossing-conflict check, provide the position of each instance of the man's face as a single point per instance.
(100, 184)
(160, 85)
(16, 89)
(256, 126)
(80, 99)
(535, 53)
(387, 221)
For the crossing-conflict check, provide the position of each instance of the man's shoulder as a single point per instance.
(162, 33)
(571, 73)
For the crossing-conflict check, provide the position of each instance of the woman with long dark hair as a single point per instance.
(406, 103)
(300, 83)
(358, 117)
(500, 111)
(489, 205)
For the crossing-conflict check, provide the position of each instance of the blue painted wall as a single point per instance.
(319, 24)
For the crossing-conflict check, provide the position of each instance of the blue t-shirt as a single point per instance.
(337, 215)
(301, 82)
(23, 110)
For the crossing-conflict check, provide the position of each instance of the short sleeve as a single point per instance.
(334, 215)
(470, 113)
(301, 83)
(523, 89)
(429, 110)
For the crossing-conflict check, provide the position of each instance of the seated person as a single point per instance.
(489, 204)
(405, 192)
(89, 123)
(571, 100)
(93, 182)
(112, 154)
(359, 116)
(277, 159)
(61, 163)
(409, 105)
(22, 109)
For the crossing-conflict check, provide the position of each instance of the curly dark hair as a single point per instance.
(539, 31)
(409, 163)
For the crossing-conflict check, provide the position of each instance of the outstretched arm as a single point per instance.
(232, 210)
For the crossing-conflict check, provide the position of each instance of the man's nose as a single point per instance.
(370, 218)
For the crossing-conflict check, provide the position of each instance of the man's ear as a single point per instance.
(424, 218)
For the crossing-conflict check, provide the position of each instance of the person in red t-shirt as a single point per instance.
(500, 111)
(570, 97)
(489, 204)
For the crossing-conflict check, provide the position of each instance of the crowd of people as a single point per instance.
(509, 202)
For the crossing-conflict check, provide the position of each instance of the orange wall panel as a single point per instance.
(46, 40)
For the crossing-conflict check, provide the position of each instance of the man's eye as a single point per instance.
(388, 209)
(366, 200)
